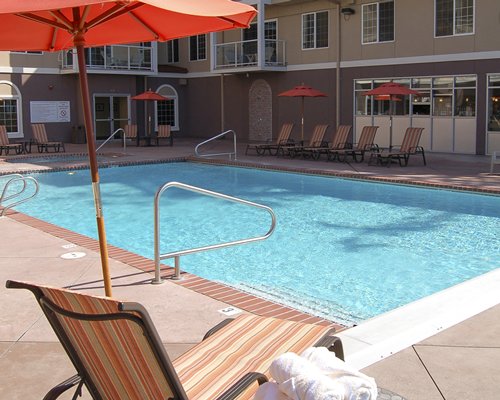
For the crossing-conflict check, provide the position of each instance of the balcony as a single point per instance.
(244, 56)
(117, 58)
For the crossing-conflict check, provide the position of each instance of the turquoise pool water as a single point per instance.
(345, 250)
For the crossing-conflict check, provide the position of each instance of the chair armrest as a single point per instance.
(58, 390)
(242, 384)
(332, 343)
(217, 327)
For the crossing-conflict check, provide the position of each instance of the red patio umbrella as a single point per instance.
(148, 96)
(392, 90)
(302, 91)
(52, 25)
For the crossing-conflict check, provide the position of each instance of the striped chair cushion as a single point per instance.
(249, 343)
(115, 354)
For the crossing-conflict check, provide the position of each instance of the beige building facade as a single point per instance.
(448, 50)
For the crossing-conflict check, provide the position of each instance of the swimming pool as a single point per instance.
(344, 250)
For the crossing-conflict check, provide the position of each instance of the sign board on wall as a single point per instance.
(49, 111)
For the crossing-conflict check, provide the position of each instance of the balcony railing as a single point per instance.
(117, 57)
(245, 54)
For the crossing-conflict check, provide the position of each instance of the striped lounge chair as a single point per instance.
(131, 133)
(273, 148)
(41, 140)
(315, 143)
(339, 141)
(164, 132)
(402, 154)
(366, 143)
(6, 145)
(118, 354)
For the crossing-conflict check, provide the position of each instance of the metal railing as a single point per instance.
(245, 54)
(232, 153)
(176, 254)
(111, 137)
(116, 57)
(16, 178)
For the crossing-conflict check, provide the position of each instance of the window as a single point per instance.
(421, 105)
(250, 37)
(10, 108)
(454, 17)
(378, 22)
(315, 30)
(173, 51)
(198, 47)
(494, 103)
(465, 96)
(167, 111)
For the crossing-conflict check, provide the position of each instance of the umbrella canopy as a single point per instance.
(149, 95)
(302, 91)
(391, 88)
(51, 25)
(391, 91)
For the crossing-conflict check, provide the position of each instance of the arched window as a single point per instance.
(11, 109)
(167, 112)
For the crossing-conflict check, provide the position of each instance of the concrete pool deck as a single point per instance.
(459, 356)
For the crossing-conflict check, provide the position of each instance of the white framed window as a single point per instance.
(454, 17)
(378, 22)
(167, 111)
(315, 30)
(173, 51)
(11, 109)
(198, 47)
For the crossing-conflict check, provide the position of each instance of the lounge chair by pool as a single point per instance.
(41, 140)
(118, 354)
(402, 154)
(315, 142)
(366, 143)
(6, 145)
(282, 139)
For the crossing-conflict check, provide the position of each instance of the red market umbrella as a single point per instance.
(147, 96)
(391, 91)
(302, 91)
(53, 25)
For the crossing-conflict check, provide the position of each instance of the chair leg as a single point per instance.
(423, 155)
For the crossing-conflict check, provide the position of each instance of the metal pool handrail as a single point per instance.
(15, 178)
(111, 137)
(176, 254)
(232, 153)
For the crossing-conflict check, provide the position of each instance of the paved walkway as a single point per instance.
(460, 360)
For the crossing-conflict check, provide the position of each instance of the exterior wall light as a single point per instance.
(347, 11)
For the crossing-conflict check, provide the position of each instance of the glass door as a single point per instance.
(110, 114)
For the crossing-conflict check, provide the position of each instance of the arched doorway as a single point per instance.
(260, 111)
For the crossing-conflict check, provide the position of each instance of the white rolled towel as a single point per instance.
(288, 365)
(270, 391)
(312, 387)
(357, 385)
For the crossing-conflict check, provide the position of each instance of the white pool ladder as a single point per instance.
(231, 154)
(12, 178)
(177, 254)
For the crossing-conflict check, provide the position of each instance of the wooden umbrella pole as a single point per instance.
(87, 113)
